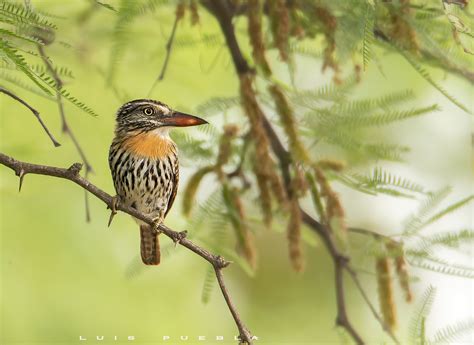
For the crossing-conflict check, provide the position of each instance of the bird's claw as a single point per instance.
(113, 209)
(179, 237)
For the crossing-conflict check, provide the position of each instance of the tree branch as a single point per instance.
(65, 125)
(222, 12)
(72, 174)
(169, 46)
(35, 113)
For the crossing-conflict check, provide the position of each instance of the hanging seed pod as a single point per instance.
(403, 277)
(401, 30)
(296, 26)
(191, 189)
(331, 164)
(317, 198)
(396, 249)
(180, 10)
(300, 182)
(287, 119)
(193, 9)
(385, 290)
(334, 211)
(280, 23)
(225, 148)
(294, 236)
(254, 14)
(329, 23)
(263, 163)
(264, 197)
(246, 240)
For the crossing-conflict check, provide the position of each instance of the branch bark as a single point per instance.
(224, 14)
(35, 113)
(72, 174)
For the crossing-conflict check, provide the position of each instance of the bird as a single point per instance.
(143, 160)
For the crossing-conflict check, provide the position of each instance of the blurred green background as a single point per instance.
(62, 277)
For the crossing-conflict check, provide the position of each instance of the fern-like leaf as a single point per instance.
(67, 95)
(415, 221)
(424, 73)
(450, 334)
(208, 285)
(423, 310)
(368, 39)
(19, 61)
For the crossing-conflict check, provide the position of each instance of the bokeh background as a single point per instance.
(62, 277)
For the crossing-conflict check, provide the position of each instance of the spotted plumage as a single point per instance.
(144, 164)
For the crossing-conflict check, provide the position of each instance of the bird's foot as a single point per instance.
(179, 237)
(113, 209)
(155, 227)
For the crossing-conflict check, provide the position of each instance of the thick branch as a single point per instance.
(72, 174)
(223, 14)
(35, 113)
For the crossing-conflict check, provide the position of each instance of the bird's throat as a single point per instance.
(150, 145)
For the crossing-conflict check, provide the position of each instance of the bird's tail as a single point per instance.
(149, 246)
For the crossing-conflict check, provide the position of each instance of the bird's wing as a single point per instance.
(174, 181)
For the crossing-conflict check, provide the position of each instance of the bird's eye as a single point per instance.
(148, 111)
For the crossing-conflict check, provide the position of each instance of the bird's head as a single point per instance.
(146, 115)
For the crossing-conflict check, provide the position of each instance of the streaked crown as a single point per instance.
(146, 115)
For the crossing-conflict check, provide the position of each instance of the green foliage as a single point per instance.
(382, 181)
(425, 74)
(10, 53)
(450, 334)
(417, 324)
(415, 221)
(12, 13)
(368, 39)
(208, 285)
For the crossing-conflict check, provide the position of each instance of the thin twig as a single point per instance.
(169, 46)
(72, 174)
(65, 125)
(35, 113)
(223, 13)
(366, 298)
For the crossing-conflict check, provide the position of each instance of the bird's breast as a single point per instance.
(149, 145)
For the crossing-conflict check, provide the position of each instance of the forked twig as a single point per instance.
(35, 113)
(65, 125)
(72, 174)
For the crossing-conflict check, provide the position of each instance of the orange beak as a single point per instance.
(182, 120)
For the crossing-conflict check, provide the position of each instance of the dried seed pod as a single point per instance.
(329, 23)
(396, 249)
(287, 119)
(225, 146)
(294, 236)
(254, 13)
(385, 291)
(403, 277)
(193, 9)
(180, 10)
(334, 211)
(401, 30)
(246, 240)
(296, 27)
(264, 166)
(280, 23)
(265, 197)
(301, 185)
(331, 164)
(191, 189)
